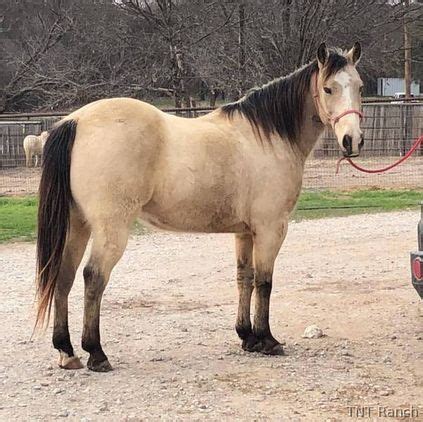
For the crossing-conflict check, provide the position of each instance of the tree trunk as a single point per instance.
(286, 20)
(241, 52)
(178, 84)
(213, 96)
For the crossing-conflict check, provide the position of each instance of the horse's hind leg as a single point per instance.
(245, 277)
(28, 157)
(109, 242)
(76, 243)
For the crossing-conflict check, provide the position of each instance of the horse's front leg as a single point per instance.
(245, 278)
(266, 244)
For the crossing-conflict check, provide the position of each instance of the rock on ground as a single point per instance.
(313, 331)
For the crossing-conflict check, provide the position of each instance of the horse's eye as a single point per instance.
(327, 90)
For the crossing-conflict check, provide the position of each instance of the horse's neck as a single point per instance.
(311, 129)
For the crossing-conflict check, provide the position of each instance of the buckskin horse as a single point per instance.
(235, 170)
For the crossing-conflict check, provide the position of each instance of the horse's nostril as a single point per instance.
(347, 144)
(360, 145)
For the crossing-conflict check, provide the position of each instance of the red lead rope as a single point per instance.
(356, 166)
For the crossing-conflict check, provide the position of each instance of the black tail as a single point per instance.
(53, 213)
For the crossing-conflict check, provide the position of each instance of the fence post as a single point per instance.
(408, 126)
(8, 143)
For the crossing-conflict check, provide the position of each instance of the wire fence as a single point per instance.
(389, 130)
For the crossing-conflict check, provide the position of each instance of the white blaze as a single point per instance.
(344, 78)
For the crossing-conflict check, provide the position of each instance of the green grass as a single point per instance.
(333, 204)
(18, 215)
(17, 218)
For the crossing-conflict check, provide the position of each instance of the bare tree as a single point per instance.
(181, 28)
(69, 56)
(165, 18)
(36, 40)
(66, 54)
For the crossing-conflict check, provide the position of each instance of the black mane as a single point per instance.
(278, 106)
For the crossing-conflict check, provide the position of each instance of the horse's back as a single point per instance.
(112, 108)
(30, 141)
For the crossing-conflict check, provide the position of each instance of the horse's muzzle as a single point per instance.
(347, 143)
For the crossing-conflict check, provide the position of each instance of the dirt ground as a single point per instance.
(168, 329)
(319, 174)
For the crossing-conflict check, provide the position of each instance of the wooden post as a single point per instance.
(188, 105)
(193, 104)
(407, 53)
(213, 96)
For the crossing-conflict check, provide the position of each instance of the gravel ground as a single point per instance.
(167, 327)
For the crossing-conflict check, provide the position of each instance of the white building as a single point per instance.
(388, 87)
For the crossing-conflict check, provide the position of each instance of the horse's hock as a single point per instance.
(389, 131)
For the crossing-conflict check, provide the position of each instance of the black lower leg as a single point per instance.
(245, 278)
(94, 288)
(245, 288)
(98, 358)
(61, 341)
(263, 286)
(262, 339)
(61, 337)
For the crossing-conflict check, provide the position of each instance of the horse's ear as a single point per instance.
(322, 54)
(355, 53)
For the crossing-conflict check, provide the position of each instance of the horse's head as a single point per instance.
(337, 94)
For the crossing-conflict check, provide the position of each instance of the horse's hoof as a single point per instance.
(69, 362)
(267, 346)
(251, 344)
(95, 366)
(276, 350)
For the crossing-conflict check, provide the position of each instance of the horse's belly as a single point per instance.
(192, 218)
